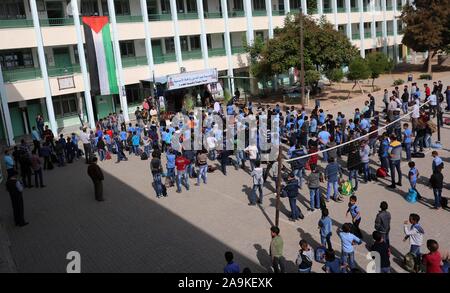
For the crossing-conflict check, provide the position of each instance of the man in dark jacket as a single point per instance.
(15, 189)
(383, 221)
(437, 183)
(291, 191)
(97, 177)
(353, 162)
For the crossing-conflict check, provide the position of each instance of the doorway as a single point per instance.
(62, 60)
(55, 12)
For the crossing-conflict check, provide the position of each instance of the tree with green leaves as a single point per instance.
(334, 75)
(358, 70)
(378, 63)
(427, 27)
(324, 48)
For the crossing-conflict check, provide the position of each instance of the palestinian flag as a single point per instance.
(100, 56)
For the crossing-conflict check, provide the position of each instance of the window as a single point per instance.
(165, 6)
(170, 45)
(152, 7)
(65, 105)
(259, 4)
(89, 7)
(295, 4)
(127, 48)
(180, 6)
(12, 9)
(133, 94)
(208, 41)
(12, 59)
(195, 43)
(260, 34)
(192, 6)
(238, 4)
(184, 43)
(122, 7)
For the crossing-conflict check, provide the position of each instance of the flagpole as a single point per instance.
(122, 94)
(82, 58)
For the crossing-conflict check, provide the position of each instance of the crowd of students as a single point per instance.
(333, 139)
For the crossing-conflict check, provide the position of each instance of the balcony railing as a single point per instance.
(367, 35)
(159, 17)
(379, 34)
(341, 9)
(134, 61)
(56, 21)
(366, 8)
(259, 12)
(34, 73)
(236, 13)
(389, 8)
(356, 36)
(237, 50)
(328, 10)
(128, 18)
(171, 57)
(312, 10)
(216, 52)
(213, 15)
(278, 12)
(354, 9)
(194, 54)
(15, 23)
(189, 15)
(390, 33)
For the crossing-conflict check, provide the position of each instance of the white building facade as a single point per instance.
(178, 33)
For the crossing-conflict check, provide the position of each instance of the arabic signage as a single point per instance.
(193, 78)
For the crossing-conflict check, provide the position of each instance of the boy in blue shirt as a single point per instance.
(413, 175)
(171, 165)
(325, 229)
(347, 242)
(135, 140)
(407, 140)
(355, 212)
(231, 266)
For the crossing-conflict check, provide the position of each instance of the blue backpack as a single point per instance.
(320, 254)
(411, 197)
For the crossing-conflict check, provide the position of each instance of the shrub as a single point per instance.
(334, 75)
(399, 81)
(425, 76)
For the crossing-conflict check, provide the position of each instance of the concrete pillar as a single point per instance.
(287, 6)
(270, 17)
(42, 63)
(334, 7)
(384, 26)
(228, 44)
(173, 11)
(203, 40)
(6, 117)
(320, 7)
(148, 40)
(361, 28)
(349, 22)
(304, 7)
(249, 18)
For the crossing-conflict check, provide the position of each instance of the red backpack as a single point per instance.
(381, 172)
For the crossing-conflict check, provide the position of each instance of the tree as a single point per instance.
(357, 70)
(427, 27)
(378, 63)
(324, 48)
(334, 75)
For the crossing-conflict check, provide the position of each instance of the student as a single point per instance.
(413, 175)
(291, 192)
(314, 180)
(432, 260)
(325, 229)
(395, 150)
(258, 180)
(37, 169)
(407, 140)
(364, 153)
(15, 189)
(436, 160)
(305, 257)
(276, 250)
(355, 212)
(156, 169)
(332, 173)
(414, 233)
(202, 163)
(182, 176)
(347, 240)
(382, 248)
(170, 165)
(437, 183)
(332, 263)
(231, 267)
(383, 222)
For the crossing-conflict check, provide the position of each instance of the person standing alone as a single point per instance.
(97, 177)
(15, 189)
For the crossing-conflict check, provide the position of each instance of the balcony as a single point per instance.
(134, 61)
(128, 18)
(278, 12)
(327, 10)
(236, 13)
(34, 73)
(159, 17)
(189, 15)
(20, 23)
(237, 50)
(159, 59)
(259, 13)
(213, 15)
(194, 54)
(216, 52)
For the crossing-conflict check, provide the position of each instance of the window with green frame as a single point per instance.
(13, 59)
(127, 48)
(89, 7)
(122, 7)
(259, 4)
(238, 4)
(65, 105)
(12, 9)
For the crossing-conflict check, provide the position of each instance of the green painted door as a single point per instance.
(156, 48)
(62, 59)
(33, 109)
(17, 121)
(104, 105)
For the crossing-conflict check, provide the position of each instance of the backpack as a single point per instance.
(444, 202)
(144, 156)
(410, 262)
(411, 197)
(417, 155)
(320, 254)
(108, 156)
(346, 188)
(381, 172)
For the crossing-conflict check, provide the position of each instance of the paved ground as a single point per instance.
(135, 232)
